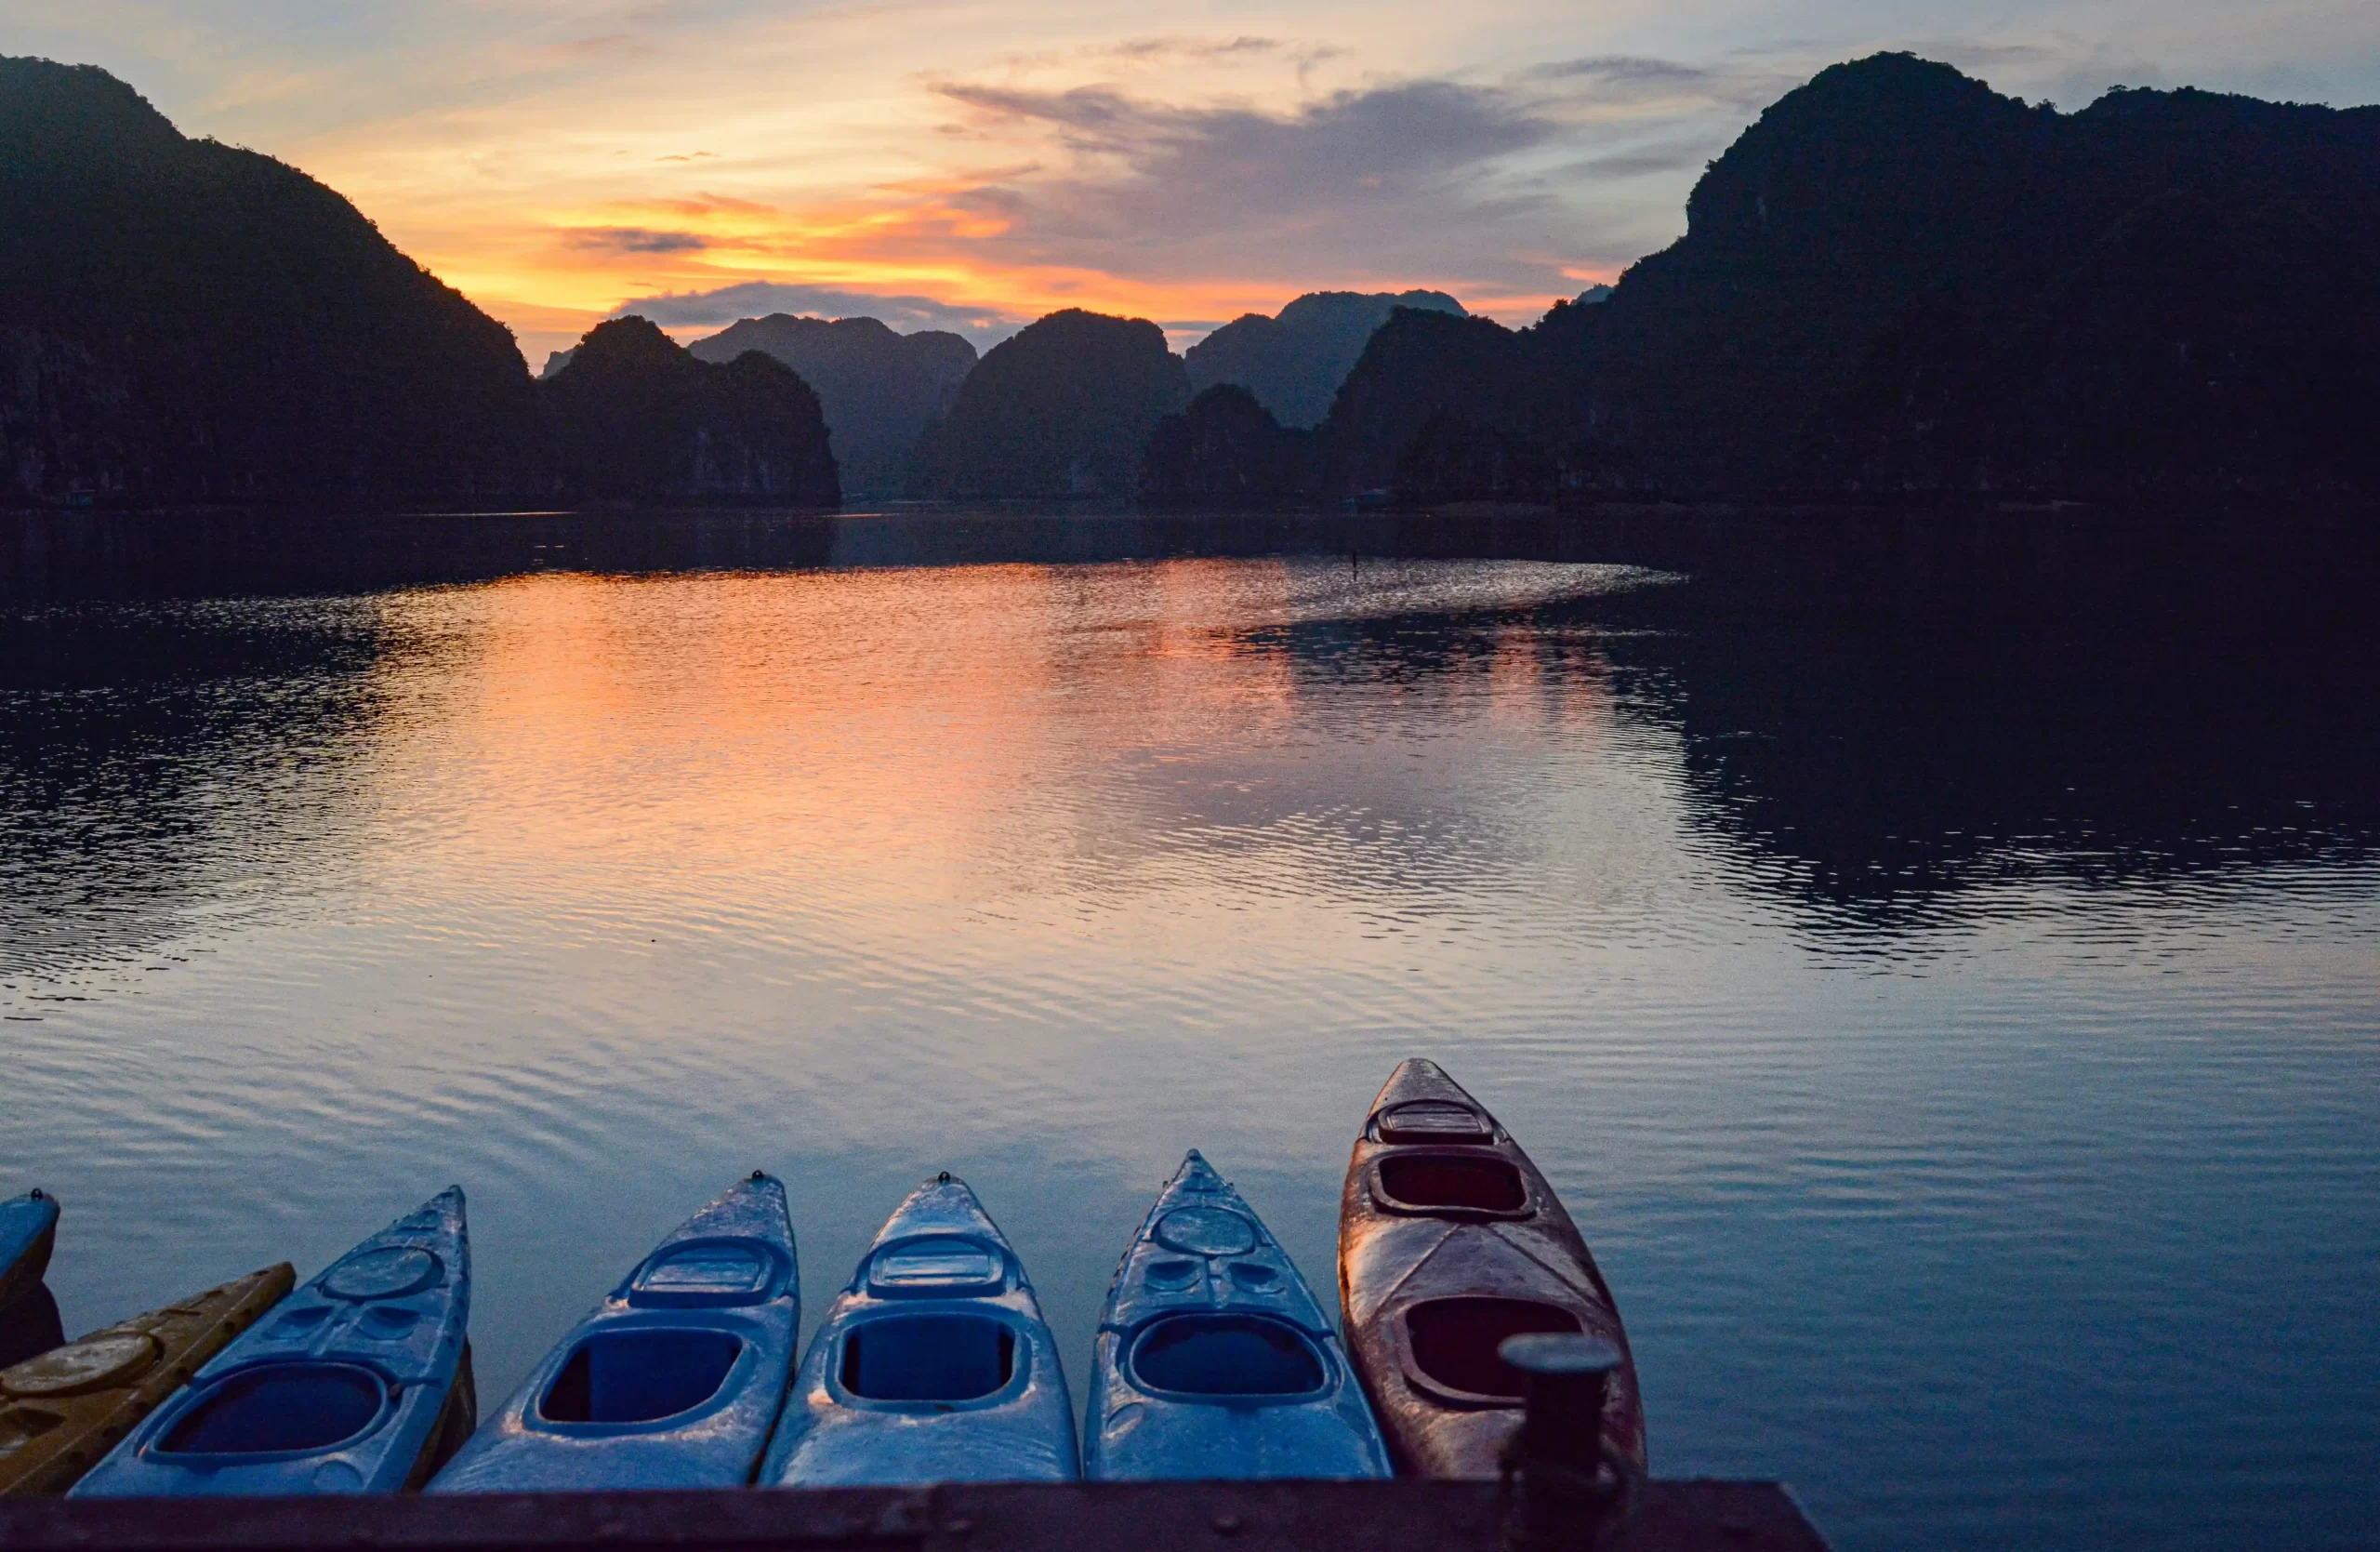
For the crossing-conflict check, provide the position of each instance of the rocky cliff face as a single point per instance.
(1062, 408)
(878, 390)
(183, 321)
(639, 419)
(1293, 364)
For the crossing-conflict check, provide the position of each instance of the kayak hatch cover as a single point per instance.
(62, 1410)
(360, 1382)
(673, 1381)
(933, 1365)
(1450, 1241)
(1213, 1358)
(28, 1230)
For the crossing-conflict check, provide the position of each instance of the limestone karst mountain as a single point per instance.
(1294, 362)
(878, 390)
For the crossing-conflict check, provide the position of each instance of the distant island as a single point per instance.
(879, 389)
(1293, 364)
(1063, 407)
(1896, 283)
(638, 418)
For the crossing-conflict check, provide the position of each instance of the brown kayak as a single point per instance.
(1450, 1241)
(61, 1411)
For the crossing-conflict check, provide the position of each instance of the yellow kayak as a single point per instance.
(64, 1410)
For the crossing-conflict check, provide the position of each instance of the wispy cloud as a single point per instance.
(635, 239)
(1431, 179)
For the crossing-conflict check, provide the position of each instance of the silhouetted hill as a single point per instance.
(1899, 279)
(639, 419)
(879, 389)
(1225, 448)
(1063, 407)
(183, 321)
(1295, 362)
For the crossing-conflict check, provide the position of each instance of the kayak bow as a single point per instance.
(361, 1382)
(1214, 1359)
(674, 1381)
(28, 1231)
(1450, 1241)
(933, 1365)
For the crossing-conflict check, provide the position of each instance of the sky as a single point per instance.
(956, 164)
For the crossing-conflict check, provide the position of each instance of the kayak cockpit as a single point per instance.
(638, 1376)
(1446, 1182)
(1224, 1358)
(1449, 1346)
(941, 1361)
(278, 1410)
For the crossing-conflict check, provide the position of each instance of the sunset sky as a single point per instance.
(954, 164)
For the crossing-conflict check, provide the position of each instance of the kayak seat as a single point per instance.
(639, 1375)
(1452, 1344)
(706, 1274)
(1479, 1183)
(928, 1358)
(1225, 1355)
(280, 1409)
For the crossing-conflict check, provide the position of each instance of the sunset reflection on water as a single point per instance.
(593, 892)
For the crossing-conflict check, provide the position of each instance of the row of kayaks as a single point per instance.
(1213, 1357)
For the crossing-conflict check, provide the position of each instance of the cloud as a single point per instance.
(635, 239)
(1622, 68)
(758, 298)
(1430, 181)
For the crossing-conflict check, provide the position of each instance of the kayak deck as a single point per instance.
(62, 1411)
(1214, 1359)
(355, 1384)
(673, 1381)
(1451, 1241)
(933, 1366)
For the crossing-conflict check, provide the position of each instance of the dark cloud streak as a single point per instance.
(635, 239)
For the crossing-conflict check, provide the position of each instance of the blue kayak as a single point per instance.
(27, 1229)
(674, 1381)
(934, 1366)
(357, 1383)
(1214, 1359)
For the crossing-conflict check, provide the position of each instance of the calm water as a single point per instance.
(1937, 960)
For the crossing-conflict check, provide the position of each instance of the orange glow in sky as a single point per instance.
(954, 164)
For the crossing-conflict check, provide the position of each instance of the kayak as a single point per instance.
(1450, 1241)
(932, 1366)
(673, 1381)
(28, 1230)
(360, 1382)
(1214, 1359)
(62, 1410)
